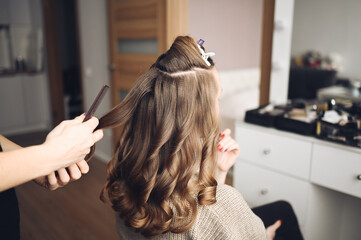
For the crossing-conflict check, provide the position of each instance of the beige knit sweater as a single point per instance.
(229, 218)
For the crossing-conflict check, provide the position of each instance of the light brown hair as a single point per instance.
(169, 128)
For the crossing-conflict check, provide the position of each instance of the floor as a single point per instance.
(73, 212)
(28, 139)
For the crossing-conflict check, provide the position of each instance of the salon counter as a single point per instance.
(322, 180)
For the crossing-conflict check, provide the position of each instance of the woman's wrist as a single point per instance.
(221, 176)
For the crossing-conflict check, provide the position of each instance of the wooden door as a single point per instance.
(139, 31)
(266, 53)
(53, 61)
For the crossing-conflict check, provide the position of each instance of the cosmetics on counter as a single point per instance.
(333, 120)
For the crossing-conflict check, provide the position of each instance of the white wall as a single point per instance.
(94, 59)
(329, 26)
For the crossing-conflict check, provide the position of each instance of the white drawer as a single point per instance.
(285, 154)
(336, 169)
(260, 186)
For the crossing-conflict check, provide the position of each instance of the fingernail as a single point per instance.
(219, 145)
(221, 149)
(223, 135)
(226, 150)
(281, 221)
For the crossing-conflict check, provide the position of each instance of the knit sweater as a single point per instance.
(229, 218)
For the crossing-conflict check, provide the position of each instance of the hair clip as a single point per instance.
(200, 42)
(205, 55)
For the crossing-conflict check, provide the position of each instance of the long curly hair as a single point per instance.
(164, 162)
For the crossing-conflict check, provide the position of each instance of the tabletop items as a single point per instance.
(333, 120)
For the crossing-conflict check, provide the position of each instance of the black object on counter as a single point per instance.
(304, 82)
(266, 119)
(295, 126)
(348, 134)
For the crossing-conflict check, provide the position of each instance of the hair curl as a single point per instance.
(169, 128)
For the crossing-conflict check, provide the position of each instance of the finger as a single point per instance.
(92, 123)
(79, 119)
(83, 166)
(223, 139)
(228, 142)
(97, 135)
(74, 172)
(231, 147)
(225, 143)
(225, 132)
(63, 176)
(52, 181)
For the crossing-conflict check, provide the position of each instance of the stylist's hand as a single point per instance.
(70, 142)
(228, 151)
(62, 177)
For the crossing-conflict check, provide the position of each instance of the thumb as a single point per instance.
(92, 123)
(276, 225)
(97, 135)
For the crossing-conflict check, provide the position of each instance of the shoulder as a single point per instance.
(226, 192)
(229, 218)
(230, 198)
(231, 201)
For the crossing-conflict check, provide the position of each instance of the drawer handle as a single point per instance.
(264, 191)
(358, 177)
(267, 151)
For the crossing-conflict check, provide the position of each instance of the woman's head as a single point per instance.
(169, 127)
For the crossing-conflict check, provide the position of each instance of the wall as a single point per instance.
(329, 26)
(94, 62)
(233, 33)
(232, 29)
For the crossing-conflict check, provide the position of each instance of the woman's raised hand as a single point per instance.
(228, 151)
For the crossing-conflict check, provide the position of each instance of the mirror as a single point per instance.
(27, 48)
(325, 48)
(21, 37)
(21, 49)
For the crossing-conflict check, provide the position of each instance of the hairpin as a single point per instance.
(205, 55)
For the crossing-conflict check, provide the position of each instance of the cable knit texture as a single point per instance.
(229, 218)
